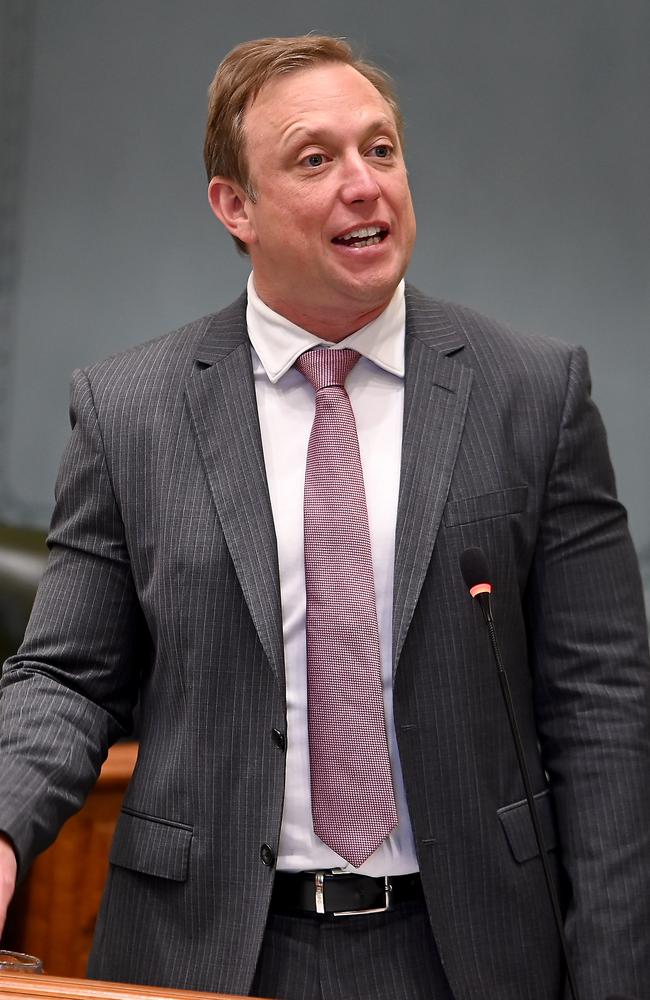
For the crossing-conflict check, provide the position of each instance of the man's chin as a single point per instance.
(373, 286)
(368, 278)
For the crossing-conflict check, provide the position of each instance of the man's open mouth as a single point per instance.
(364, 236)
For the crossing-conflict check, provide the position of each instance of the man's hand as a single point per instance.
(8, 870)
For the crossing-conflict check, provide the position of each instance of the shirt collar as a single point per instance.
(278, 342)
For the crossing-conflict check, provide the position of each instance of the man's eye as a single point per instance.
(382, 152)
(314, 160)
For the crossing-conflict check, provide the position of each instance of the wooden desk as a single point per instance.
(54, 988)
(54, 912)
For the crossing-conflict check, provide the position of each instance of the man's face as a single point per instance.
(325, 162)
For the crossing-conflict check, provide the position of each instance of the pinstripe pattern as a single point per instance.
(386, 957)
(163, 578)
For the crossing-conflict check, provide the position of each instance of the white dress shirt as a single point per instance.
(285, 403)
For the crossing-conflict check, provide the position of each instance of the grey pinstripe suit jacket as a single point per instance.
(163, 578)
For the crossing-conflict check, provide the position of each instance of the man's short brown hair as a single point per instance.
(241, 76)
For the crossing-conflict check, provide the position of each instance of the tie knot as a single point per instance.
(323, 367)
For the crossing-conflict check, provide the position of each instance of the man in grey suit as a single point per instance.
(178, 572)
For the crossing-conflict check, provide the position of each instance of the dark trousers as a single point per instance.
(382, 956)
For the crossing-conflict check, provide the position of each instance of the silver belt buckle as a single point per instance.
(319, 886)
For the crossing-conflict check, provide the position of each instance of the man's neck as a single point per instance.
(328, 324)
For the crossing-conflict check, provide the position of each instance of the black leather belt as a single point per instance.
(341, 894)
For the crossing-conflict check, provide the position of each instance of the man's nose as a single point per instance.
(359, 181)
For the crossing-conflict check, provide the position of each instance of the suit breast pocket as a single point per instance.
(497, 503)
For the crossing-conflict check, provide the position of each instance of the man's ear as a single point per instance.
(230, 204)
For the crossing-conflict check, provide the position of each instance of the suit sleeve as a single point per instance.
(588, 647)
(70, 690)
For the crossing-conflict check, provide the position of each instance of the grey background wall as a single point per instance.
(529, 153)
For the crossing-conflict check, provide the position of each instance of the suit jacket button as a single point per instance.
(279, 738)
(267, 855)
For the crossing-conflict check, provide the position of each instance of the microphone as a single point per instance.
(476, 574)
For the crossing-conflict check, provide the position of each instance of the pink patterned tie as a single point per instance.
(352, 799)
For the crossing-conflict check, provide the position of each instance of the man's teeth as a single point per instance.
(367, 235)
(362, 233)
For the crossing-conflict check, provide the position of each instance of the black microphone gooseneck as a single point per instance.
(474, 568)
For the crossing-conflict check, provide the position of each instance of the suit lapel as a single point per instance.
(436, 393)
(223, 410)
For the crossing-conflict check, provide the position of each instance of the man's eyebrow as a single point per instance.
(311, 133)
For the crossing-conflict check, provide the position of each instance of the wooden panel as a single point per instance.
(54, 912)
(53, 988)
